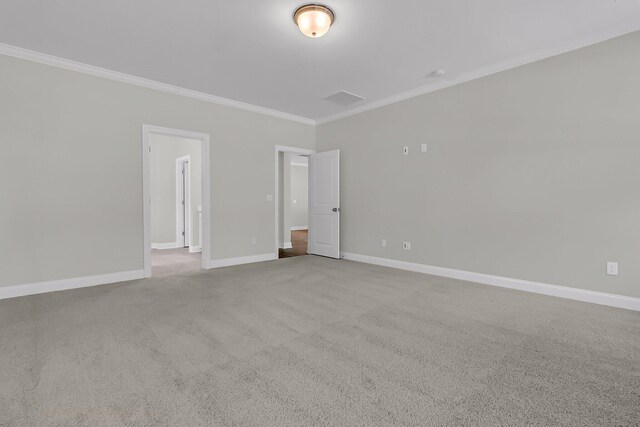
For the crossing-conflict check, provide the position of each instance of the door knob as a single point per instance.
(336, 209)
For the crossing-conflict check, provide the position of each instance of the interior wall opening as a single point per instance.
(175, 166)
(293, 182)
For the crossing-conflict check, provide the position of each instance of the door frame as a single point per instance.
(183, 185)
(205, 151)
(282, 149)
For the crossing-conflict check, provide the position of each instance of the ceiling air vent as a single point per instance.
(344, 98)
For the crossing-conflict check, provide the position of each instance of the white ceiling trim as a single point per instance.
(59, 62)
(55, 61)
(610, 33)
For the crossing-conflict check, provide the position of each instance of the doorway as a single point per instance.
(323, 207)
(291, 204)
(176, 187)
(294, 205)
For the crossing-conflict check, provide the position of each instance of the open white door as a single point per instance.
(324, 204)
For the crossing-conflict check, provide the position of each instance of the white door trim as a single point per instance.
(276, 198)
(205, 140)
(186, 239)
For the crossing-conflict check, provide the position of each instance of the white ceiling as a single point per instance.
(250, 50)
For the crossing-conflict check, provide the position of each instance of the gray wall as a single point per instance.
(299, 192)
(532, 173)
(162, 169)
(71, 171)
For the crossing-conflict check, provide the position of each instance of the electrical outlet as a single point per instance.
(384, 243)
(269, 197)
(406, 246)
(254, 240)
(612, 268)
(423, 148)
(405, 150)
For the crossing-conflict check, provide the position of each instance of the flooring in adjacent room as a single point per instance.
(314, 341)
(169, 261)
(299, 243)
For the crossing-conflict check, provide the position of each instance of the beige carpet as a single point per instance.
(313, 341)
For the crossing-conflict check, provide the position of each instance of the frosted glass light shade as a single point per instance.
(314, 20)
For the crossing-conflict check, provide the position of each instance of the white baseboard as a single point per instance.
(170, 245)
(302, 227)
(194, 249)
(287, 245)
(602, 298)
(64, 284)
(216, 263)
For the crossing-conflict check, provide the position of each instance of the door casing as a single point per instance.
(183, 193)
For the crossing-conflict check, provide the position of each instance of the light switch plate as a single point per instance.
(423, 148)
(406, 246)
(405, 150)
(269, 197)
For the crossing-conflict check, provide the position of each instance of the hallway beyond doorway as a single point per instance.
(169, 261)
(299, 243)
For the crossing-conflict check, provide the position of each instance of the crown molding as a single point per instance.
(598, 37)
(610, 33)
(67, 64)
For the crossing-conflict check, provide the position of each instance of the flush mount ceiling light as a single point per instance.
(313, 20)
